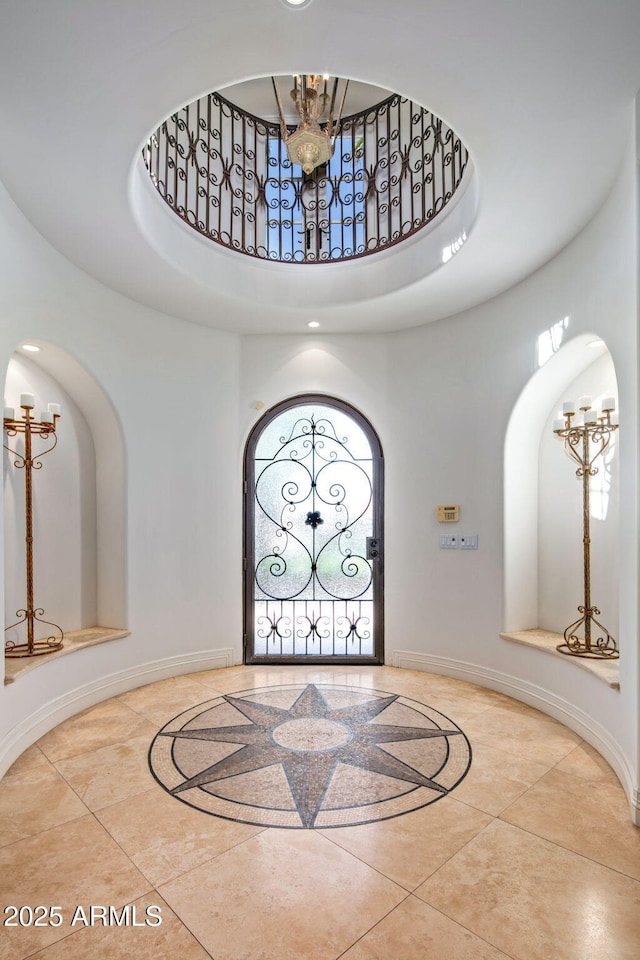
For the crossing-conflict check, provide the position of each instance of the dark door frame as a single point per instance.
(248, 534)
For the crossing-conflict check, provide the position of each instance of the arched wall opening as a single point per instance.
(78, 503)
(543, 502)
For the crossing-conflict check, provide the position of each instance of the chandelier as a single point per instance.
(311, 145)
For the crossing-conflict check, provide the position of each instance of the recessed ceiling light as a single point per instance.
(596, 343)
(296, 3)
(313, 323)
(31, 347)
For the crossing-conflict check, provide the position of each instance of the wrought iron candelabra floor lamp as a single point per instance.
(584, 442)
(45, 428)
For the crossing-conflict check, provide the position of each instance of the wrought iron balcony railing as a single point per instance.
(226, 173)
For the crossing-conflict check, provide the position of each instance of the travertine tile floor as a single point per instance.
(532, 857)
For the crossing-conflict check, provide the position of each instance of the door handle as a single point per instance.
(373, 547)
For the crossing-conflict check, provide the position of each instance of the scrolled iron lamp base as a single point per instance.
(45, 428)
(584, 443)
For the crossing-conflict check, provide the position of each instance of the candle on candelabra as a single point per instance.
(559, 424)
(585, 402)
(27, 400)
(54, 408)
(591, 416)
(9, 413)
(609, 403)
(46, 417)
(569, 407)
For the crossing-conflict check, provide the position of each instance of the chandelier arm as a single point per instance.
(334, 129)
(334, 94)
(283, 125)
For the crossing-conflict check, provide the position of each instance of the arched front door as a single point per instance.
(313, 556)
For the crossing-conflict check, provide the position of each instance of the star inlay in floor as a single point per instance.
(307, 755)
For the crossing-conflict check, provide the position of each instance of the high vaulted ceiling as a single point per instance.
(541, 93)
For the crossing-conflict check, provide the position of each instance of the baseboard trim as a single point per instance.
(50, 714)
(530, 693)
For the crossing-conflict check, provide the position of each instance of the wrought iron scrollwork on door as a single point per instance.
(313, 569)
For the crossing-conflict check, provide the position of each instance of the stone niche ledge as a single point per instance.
(546, 641)
(76, 640)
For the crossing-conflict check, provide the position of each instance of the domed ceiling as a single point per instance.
(541, 96)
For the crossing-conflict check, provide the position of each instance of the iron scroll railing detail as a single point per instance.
(226, 173)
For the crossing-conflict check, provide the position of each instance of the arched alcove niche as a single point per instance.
(78, 500)
(543, 499)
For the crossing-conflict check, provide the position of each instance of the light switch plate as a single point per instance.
(468, 541)
(448, 542)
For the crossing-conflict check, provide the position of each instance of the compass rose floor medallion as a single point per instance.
(309, 756)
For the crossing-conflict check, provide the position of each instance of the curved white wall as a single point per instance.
(440, 398)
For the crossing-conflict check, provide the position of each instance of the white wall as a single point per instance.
(350, 367)
(64, 511)
(109, 480)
